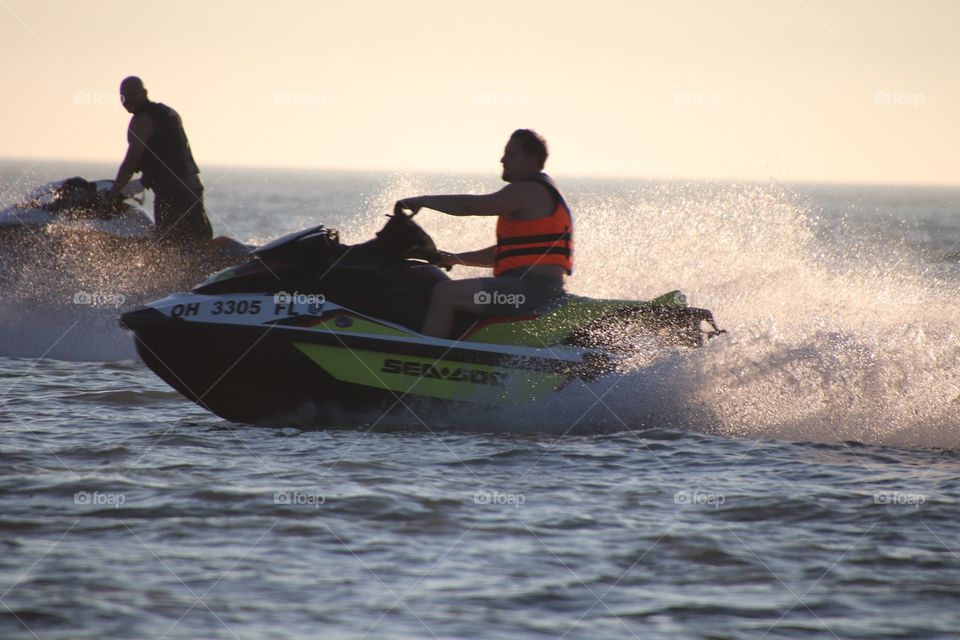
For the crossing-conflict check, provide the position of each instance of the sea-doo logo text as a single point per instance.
(460, 374)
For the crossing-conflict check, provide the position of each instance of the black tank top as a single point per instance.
(167, 159)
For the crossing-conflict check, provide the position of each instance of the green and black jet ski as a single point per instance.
(309, 323)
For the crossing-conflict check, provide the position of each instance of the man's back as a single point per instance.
(168, 158)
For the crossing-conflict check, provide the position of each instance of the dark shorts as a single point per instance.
(179, 214)
(516, 292)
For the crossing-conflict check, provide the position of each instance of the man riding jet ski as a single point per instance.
(534, 247)
(157, 146)
(309, 326)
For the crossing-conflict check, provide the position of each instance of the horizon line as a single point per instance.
(805, 181)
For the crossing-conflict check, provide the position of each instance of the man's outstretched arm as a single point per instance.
(507, 201)
(479, 258)
(140, 131)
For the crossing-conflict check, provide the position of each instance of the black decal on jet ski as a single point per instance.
(183, 310)
(423, 370)
(392, 366)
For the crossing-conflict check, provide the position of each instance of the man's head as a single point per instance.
(524, 155)
(132, 93)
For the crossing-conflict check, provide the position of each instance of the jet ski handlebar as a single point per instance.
(420, 246)
(400, 210)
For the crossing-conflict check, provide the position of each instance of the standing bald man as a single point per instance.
(158, 147)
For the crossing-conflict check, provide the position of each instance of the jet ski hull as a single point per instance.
(227, 378)
(247, 371)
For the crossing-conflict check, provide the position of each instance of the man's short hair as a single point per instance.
(132, 84)
(532, 144)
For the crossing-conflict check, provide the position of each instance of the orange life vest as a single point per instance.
(547, 240)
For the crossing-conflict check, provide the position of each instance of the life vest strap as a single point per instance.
(547, 237)
(533, 251)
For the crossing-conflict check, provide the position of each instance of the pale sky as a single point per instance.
(792, 90)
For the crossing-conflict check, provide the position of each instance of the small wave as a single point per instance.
(122, 398)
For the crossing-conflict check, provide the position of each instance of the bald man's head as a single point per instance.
(132, 93)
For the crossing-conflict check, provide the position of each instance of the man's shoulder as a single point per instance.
(165, 107)
(141, 124)
(532, 198)
(540, 184)
(152, 109)
(525, 190)
(529, 186)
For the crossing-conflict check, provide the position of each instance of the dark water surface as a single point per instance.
(798, 479)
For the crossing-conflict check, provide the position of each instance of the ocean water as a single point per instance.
(796, 478)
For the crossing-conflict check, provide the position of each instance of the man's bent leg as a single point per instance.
(487, 297)
(450, 296)
(180, 216)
